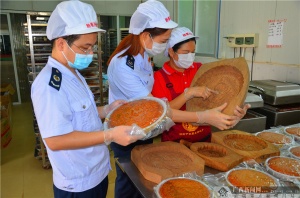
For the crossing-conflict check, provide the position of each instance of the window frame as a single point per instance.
(193, 26)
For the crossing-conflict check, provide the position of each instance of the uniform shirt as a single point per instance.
(178, 81)
(68, 106)
(129, 77)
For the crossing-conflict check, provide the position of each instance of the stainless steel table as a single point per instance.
(145, 187)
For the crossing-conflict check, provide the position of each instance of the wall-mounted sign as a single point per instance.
(275, 33)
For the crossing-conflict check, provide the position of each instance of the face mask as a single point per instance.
(157, 48)
(81, 61)
(185, 60)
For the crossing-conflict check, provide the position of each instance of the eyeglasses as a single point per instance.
(88, 51)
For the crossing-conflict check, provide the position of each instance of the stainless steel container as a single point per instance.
(252, 122)
(280, 115)
(276, 92)
(281, 101)
(254, 100)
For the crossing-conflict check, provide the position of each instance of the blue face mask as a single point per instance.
(81, 61)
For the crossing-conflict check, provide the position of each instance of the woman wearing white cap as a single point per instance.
(173, 82)
(68, 119)
(130, 76)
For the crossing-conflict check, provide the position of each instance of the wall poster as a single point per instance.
(275, 33)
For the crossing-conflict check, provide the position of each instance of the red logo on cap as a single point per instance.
(91, 24)
(168, 19)
(187, 33)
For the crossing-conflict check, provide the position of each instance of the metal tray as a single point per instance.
(157, 188)
(290, 150)
(280, 175)
(149, 128)
(254, 100)
(263, 188)
(275, 92)
(279, 118)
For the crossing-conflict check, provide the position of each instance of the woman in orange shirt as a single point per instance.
(173, 82)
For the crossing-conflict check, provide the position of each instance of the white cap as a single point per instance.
(150, 14)
(178, 35)
(72, 17)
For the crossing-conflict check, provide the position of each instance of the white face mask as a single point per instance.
(157, 48)
(185, 60)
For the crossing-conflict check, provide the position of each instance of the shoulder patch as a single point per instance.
(55, 79)
(130, 61)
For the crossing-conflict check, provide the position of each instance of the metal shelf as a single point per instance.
(36, 24)
(40, 44)
(35, 34)
(37, 64)
(41, 54)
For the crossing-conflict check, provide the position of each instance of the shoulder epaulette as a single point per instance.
(55, 79)
(130, 61)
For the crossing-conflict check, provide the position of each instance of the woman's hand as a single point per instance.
(216, 118)
(200, 92)
(240, 112)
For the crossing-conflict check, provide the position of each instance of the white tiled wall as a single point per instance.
(281, 64)
(261, 71)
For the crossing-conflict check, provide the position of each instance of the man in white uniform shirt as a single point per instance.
(68, 118)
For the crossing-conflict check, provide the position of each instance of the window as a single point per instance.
(201, 17)
(113, 35)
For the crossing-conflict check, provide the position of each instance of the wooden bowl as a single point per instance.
(230, 78)
(244, 142)
(216, 156)
(163, 160)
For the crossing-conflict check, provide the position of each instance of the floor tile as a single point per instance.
(22, 175)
